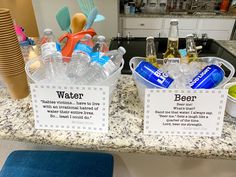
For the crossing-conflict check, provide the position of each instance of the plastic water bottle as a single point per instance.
(87, 40)
(208, 78)
(80, 59)
(100, 45)
(101, 69)
(153, 74)
(99, 48)
(51, 55)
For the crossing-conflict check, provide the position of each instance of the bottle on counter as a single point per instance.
(191, 49)
(80, 59)
(51, 54)
(100, 45)
(151, 56)
(99, 48)
(100, 70)
(172, 52)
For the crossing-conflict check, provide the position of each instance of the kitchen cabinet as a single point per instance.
(142, 27)
(219, 29)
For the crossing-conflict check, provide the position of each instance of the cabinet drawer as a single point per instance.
(185, 24)
(216, 24)
(142, 33)
(142, 23)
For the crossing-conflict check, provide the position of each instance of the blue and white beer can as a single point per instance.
(153, 74)
(208, 78)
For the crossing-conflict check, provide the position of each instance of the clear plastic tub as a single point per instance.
(36, 71)
(143, 83)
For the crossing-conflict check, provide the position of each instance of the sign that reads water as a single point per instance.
(184, 112)
(83, 108)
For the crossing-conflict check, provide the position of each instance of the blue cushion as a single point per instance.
(57, 164)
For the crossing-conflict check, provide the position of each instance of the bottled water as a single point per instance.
(101, 69)
(100, 45)
(51, 55)
(99, 48)
(80, 59)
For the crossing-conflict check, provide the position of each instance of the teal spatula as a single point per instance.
(86, 6)
(63, 19)
(91, 17)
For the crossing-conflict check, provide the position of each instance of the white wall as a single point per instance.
(45, 13)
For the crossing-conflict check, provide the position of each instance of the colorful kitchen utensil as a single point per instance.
(72, 40)
(78, 22)
(91, 18)
(87, 6)
(63, 19)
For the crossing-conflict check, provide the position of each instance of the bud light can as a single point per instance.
(208, 78)
(153, 74)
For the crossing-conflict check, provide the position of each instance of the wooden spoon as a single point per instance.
(78, 22)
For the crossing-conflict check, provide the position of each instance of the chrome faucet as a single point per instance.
(204, 39)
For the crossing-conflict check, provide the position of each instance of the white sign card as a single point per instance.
(184, 112)
(83, 108)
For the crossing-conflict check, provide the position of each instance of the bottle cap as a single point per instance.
(150, 37)
(88, 36)
(189, 35)
(122, 50)
(101, 38)
(47, 31)
(174, 22)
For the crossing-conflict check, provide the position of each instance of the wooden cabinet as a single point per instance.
(219, 29)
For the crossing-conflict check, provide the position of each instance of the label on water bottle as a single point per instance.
(109, 67)
(99, 57)
(83, 48)
(49, 48)
(95, 56)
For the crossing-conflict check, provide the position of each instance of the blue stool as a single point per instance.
(57, 164)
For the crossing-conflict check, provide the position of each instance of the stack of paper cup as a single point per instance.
(12, 64)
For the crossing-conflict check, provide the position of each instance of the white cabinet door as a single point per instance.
(216, 24)
(142, 23)
(219, 29)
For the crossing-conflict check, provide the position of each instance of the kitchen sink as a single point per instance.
(137, 47)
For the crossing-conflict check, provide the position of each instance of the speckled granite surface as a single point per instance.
(229, 16)
(125, 130)
(228, 45)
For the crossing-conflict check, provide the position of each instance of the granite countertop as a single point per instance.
(125, 128)
(228, 45)
(152, 15)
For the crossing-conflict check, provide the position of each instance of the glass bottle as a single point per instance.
(172, 52)
(191, 49)
(151, 56)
